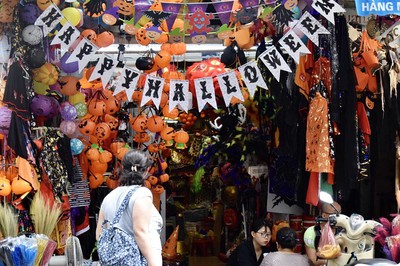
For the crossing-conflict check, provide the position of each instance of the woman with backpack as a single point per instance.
(137, 218)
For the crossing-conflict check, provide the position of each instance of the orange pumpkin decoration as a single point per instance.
(139, 123)
(90, 34)
(20, 186)
(122, 151)
(116, 145)
(112, 105)
(69, 85)
(46, 74)
(141, 37)
(5, 187)
(166, 47)
(162, 39)
(178, 48)
(44, 4)
(155, 123)
(93, 154)
(161, 146)
(112, 122)
(93, 84)
(173, 114)
(86, 126)
(105, 156)
(153, 148)
(97, 107)
(95, 180)
(11, 172)
(168, 135)
(158, 189)
(164, 178)
(104, 39)
(137, 96)
(102, 131)
(181, 138)
(164, 99)
(141, 137)
(162, 59)
(112, 183)
(125, 7)
(153, 180)
(164, 165)
(97, 167)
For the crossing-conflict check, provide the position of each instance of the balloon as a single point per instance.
(68, 67)
(5, 120)
(68, 127)
(72, 15)
(40, 88)
(42, 105)
(77, 98)
(29, 13)
(81, 109)
(68, 111)
(76, 146)
(35, 58)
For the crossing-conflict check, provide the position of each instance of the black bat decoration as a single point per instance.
(95, 8)
(156, 16)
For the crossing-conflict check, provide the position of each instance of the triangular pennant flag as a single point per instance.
(274, 61)
(311, 27)
(49, 19)
(66, 37)
(140, 7)
(127, 82)
(328, 8)
(83, 53)
(193, 7)
(224, 10)
(178, 94)
(249, 3)
(152, 90)
(205, 92)
(252, 77)
(173, 9)
(293, 45)
(104, 69)
(229, 87)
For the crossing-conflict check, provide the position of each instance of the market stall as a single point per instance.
(247, 109)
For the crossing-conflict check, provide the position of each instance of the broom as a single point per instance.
(44, 214)
(8, 222)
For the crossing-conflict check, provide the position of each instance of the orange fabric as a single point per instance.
(322, 71)
(313, 189)
(302, 77)
(318, 157)
(27, 172)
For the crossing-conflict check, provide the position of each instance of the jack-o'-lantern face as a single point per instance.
(139, 123)
(125, 7)
(102, 131)
(44, 4)
(6, 14)
(112, 123)
(153, 33)
(5, 187)
(224, 34)
(141, 37)
(175, 39)
(199, 39)
(86, 126)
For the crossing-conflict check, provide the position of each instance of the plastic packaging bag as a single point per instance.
(328, 248)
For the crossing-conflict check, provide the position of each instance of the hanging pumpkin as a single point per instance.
(162, 59)
(153, 180)
(168, 135)
(95, 180)
(97, 167)
(152, 148)
(5, 187)
(141, 137)
(161, 146)
(122, 151)
(137, 96)
(102, 131)
(164, 99)
(170, 114)
(139, 123)
(86, 126)
(164, 178)
(89, 34)
(162, 39)
(69, 86)
(93, 84)
(112, 123)
(147, 184)
(97, 107)
(105, 39)
(155, 123)
(93, 154)
(116, 145)
(181, 138)
(178, 48)
(46, 74)
(112, 183)
(44, 4)
(105, 156)
(125, 7)
(166, 47)
(20, 186)
(141, 37)
(112, 105)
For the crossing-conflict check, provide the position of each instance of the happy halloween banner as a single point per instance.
(86, 51)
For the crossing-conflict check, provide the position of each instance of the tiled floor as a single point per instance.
(205, 261)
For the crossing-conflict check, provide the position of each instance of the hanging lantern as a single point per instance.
(102, 131)
(69, 85)
(95, 180)
(112, 105)
(97, 107)
(105, 39)
(181, 138)
(97, 167)
(86, 126)
(139, 123)
(173, 114)
(168, 135)
(162, 59)
(155, 123)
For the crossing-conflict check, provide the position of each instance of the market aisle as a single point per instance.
(202, 261)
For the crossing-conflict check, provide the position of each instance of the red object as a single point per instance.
(313, 189)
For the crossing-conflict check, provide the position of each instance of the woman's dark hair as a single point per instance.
(286, 237)
(134, 165)
(257, 224)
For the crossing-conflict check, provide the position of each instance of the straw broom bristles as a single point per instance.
(44, 214)
(8, 221)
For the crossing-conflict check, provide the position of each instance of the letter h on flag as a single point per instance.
(153, 89)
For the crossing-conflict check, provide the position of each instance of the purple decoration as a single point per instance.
(113, 12)
(173, 9)
(192, 7)
(68, 127)
(140, 7)
(42, 105)
(5, 120)
(68, 111)
(68, 67)
(55, 106)
(249, 3)
(29, 13)
(224, 11)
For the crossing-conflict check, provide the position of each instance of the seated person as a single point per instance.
(286, 240)
(251, 251)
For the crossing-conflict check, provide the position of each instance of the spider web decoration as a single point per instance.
(156, 16)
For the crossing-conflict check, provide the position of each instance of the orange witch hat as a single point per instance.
(169, 248)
